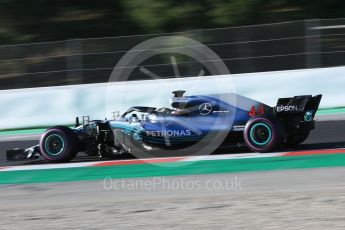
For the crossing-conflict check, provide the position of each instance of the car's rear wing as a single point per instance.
(298, 105)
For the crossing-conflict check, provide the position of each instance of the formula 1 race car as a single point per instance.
(193, 122)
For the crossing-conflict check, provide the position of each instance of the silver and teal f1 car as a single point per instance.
(192, 122)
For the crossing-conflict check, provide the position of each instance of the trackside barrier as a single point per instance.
(47, 106)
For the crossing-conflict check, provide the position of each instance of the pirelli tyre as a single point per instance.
(59, 144)
(263, 134)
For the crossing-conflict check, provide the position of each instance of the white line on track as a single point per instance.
(233, 156)
(144, 161)
(47, 166)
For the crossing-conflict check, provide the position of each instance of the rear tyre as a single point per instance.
(263, 134)
(296, 139)
(59, 144)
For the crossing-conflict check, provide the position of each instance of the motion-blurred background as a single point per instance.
(64, 42)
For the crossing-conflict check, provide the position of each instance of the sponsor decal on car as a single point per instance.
(205, 108)
(169, 133)
(238, 128)
(221, 111)
(308, 116)
(287, 108)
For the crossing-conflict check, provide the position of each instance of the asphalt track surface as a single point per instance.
(292, 199)
(326, 135)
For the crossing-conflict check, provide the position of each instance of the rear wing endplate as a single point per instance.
(298, 105)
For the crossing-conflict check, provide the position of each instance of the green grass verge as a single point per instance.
(29, 130)
(23, 131)
(172, 169)
(330, 111)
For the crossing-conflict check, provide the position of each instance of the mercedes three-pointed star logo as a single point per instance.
(205, 108)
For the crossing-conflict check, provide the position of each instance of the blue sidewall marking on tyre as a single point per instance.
(46, 144)
(269, 134)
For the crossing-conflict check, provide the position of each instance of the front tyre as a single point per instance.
(263, 134)
(59, 144)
